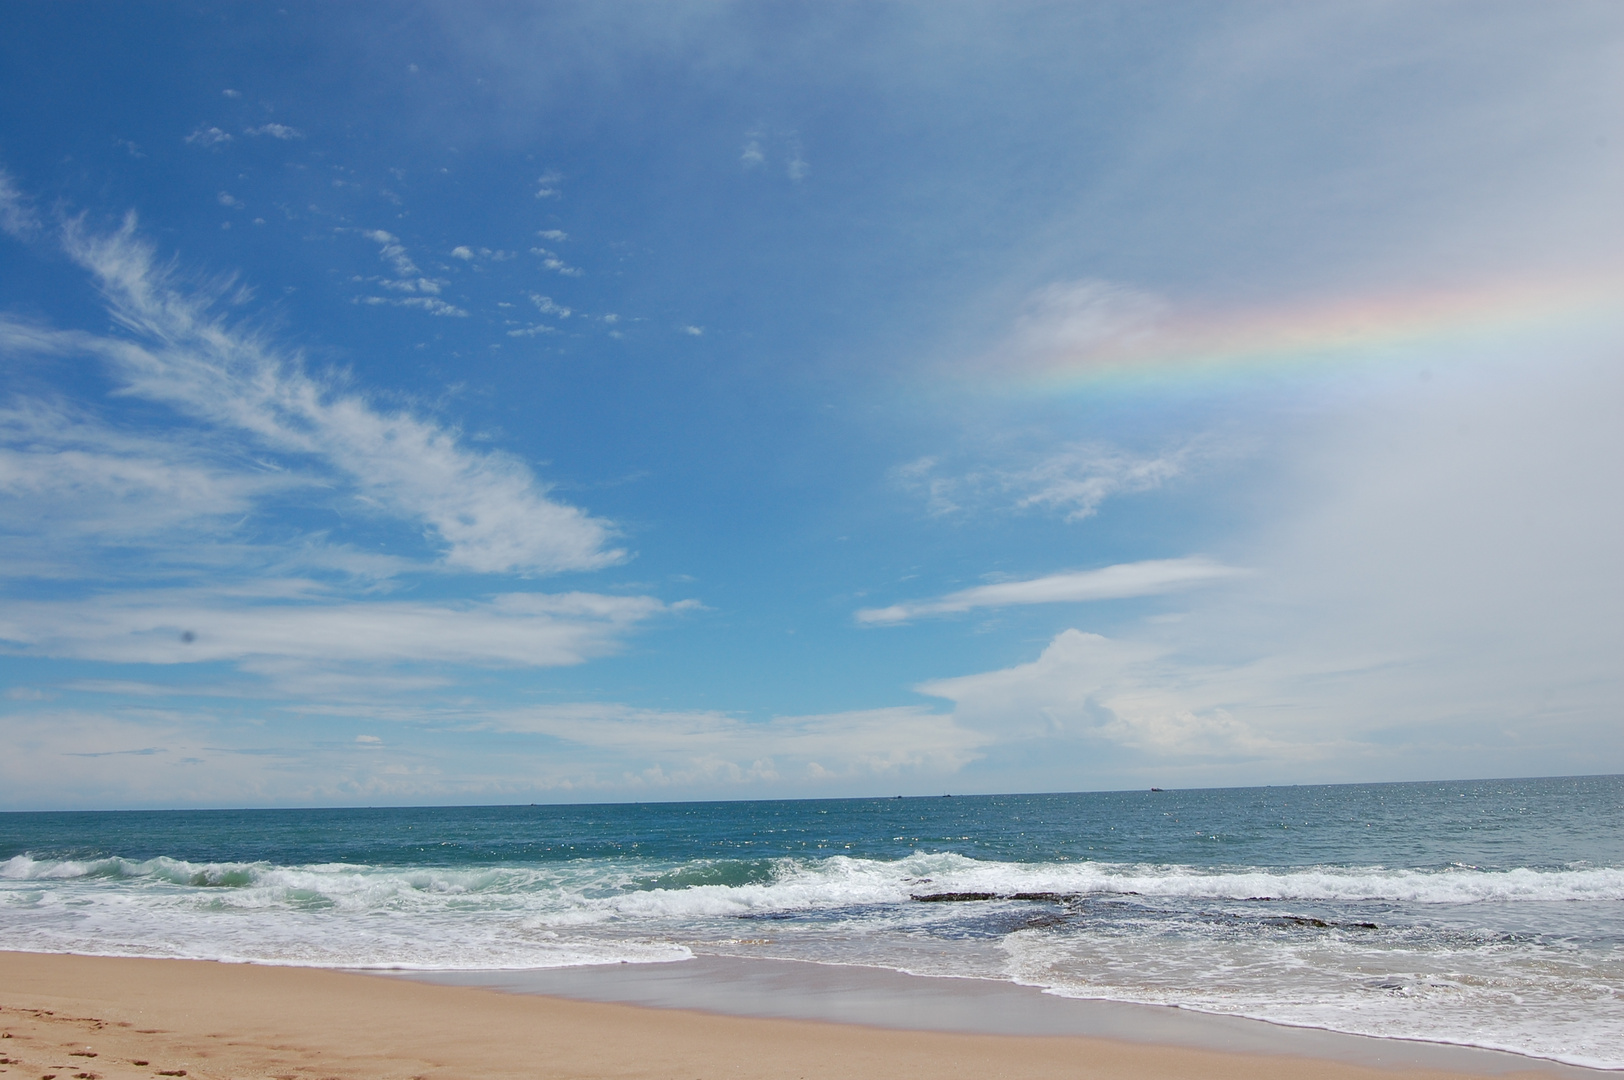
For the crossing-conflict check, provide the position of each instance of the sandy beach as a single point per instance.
(92, 1018)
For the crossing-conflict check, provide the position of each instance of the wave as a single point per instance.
(709, 888)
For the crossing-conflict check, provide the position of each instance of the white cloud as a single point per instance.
(17, 217)
(1086, 689)
(467, 254)
(694, 331)
(225, 198)
(208, 136)
(1074, 480)
(424, 285)
(754, 154)
(548, 306)
(797, 168)
(197, 626)
(488, 509)
(547, 185)
(939, 491)
(193, 760)
(432, 306)
(68, 475)
(337, 756)
(1151, 578)
(680, 749)
(24, 338)
(86, 500)
(551, 261)
(1451, 556)
(277, 131)
(1083, 324)
(555, 235)
(424, 303)
(1438, 595)
(410, 280)
(1079, 478)
(392, 251)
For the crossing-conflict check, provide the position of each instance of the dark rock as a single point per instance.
(954, 897)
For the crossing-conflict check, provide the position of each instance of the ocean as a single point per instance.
(1480, 913)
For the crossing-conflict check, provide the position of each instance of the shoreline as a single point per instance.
(204, 1019)
(885, 998)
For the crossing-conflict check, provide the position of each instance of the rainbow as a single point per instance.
(1090, 333)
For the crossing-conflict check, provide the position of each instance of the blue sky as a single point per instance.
(419, 403)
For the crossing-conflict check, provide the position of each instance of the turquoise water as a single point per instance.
(1485, 913)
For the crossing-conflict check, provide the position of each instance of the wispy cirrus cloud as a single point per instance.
(1078, 478)
(487, 509)
(17, 216)
(175, 521)
(1074, 480)
(1150, 578)
(282, 622)
(85, 500)
(71, 475)
(1080, 321)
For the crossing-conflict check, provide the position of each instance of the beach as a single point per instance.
(100, 1018)
(1450, 919)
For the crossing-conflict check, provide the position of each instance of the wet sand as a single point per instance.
(91, 1018)
(878, 997)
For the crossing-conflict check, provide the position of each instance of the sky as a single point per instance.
(420, 403)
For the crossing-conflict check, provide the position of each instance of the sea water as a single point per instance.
(1486, 913)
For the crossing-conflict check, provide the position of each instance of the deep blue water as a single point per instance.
(1501, 824)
